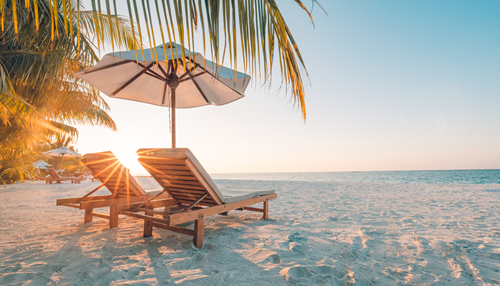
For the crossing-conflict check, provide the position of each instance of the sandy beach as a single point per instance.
(319, 233)
(368, 131)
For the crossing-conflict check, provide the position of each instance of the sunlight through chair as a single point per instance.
(117, 179)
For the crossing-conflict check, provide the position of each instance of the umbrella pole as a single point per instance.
(173, 82)
(173, 117)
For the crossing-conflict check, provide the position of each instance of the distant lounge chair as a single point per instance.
(54, 177)
(194, 193)
(116, 178)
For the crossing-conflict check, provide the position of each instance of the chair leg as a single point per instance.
(88, 215)
(199, 225)
(148, 226)
(113, 217)
(265, 215)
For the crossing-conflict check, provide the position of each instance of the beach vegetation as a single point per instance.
(40, 98)
(252, 35)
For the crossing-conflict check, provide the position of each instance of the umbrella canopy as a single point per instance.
(175, 78)
(62, 151)
(41, 164)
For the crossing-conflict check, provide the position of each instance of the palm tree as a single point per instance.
(253, 31)
(39, 95)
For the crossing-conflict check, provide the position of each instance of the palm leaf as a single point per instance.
(40, 98)
(262, 36)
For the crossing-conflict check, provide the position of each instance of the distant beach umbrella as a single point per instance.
(175, 78)
(41, 164)
(62, 152)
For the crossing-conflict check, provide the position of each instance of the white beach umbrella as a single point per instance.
(62, 152)
(176, 78)
(41, 164)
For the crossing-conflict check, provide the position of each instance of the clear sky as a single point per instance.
(393, 85)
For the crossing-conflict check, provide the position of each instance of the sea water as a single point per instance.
(405, 177)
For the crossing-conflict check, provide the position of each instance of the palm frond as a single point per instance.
(253, 31)
(40, 98)
(117, 33)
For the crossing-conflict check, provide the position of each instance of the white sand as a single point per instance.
(319, 233)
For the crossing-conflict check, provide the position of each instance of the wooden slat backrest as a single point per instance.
(180, 173)
(106, 168)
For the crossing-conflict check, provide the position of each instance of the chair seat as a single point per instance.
(236, 195)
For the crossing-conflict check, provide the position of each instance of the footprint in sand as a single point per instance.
(295, 243)
(274, 259)
(133, 272)
(297, 272)
(312, 273)
(295, 237)
(298, 248)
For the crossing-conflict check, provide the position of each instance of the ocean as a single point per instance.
(403, 177)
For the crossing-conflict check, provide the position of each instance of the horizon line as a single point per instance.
(248, 173)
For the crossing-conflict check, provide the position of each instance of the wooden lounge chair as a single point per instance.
(54, 177)
(117, 179)
(194, 193)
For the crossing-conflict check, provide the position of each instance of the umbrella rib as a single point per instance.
(217, 78)
(198, 87)
(190, 71)
(149, 69)
(163, 71)
(224, 83)
(186, 79)
(108, 66)
(130, 81)
(155, 76)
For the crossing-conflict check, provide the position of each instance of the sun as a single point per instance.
(128, 158)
